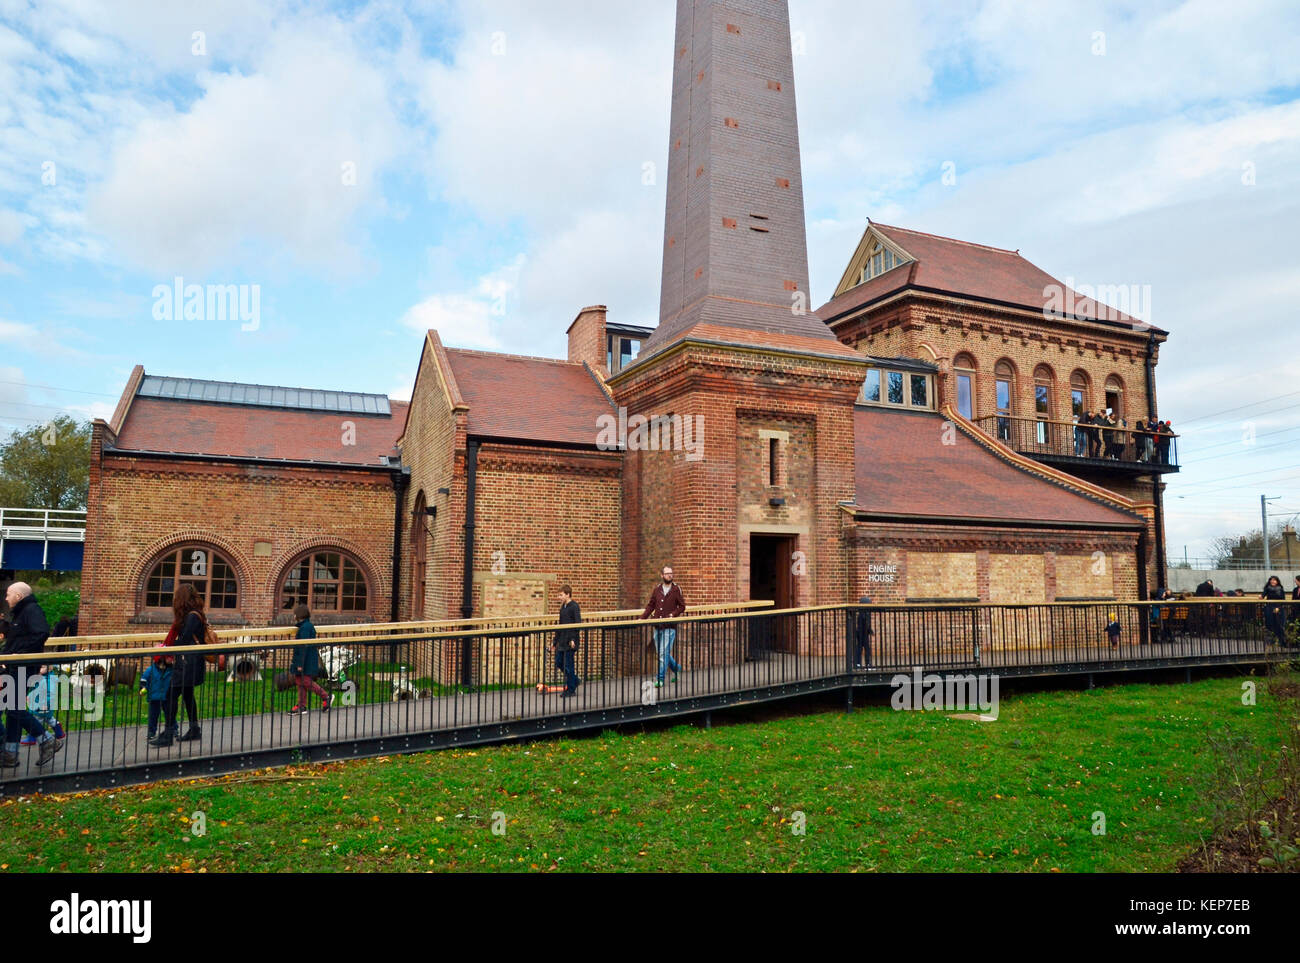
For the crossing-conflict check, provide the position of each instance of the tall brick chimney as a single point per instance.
(587, 341)
(735, 252)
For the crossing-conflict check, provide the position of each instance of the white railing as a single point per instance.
(55, 524)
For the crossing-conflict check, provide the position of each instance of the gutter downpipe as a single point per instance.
(467, 585)
(1162, 564)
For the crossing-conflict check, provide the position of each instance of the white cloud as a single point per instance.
(13, 331)
(256, 167)
(470, 319)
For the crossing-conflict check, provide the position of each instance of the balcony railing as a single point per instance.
(1096, 445)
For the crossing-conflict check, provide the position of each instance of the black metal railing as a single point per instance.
(409, 690)
(1040, 438)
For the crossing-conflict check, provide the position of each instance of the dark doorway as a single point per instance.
(771, 558)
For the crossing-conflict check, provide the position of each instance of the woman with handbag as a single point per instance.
(1274, 617)
(189, 669)
(306, 663)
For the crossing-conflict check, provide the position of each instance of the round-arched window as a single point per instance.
(210, 572)
(325, 581)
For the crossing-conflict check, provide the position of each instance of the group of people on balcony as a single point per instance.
(1100, 434)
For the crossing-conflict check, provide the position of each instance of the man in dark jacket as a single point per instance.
(26, 635)
(864, 633)
(565, 645)
(1205, 589)
(666, 602)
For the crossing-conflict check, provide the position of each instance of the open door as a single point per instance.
(771, 558)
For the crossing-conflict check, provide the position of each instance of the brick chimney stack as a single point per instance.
(587, 341)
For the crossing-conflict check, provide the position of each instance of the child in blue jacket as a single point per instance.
(156, 681)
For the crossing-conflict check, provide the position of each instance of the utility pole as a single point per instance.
(1263, 514)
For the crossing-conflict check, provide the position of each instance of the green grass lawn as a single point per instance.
(880, 791)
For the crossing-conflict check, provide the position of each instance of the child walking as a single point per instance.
(156, 682)
(306, 663)
(1113, 630)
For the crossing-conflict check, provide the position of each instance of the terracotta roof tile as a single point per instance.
(529, 399)
(206, 428)
(965, 269)
(903, 467)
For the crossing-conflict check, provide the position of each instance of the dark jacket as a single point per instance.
(665, 605)
(157, 679)
(306, 658)
(1204, 590)
(190, 668)
(27, 632)
(1274, 591)
(570, 614)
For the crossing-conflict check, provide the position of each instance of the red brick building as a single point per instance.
(740, 440)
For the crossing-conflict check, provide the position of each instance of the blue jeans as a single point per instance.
(664, 639)
(566, 660)
(155, 710)
(17, 720)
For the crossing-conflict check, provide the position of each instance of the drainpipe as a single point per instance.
(401, 479)
(467, 587)
(1162, 563)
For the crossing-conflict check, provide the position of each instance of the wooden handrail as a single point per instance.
(372, 629)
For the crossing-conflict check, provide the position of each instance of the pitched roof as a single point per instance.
(528, 399)
(180, 424)
(960, 268)
(905, 467)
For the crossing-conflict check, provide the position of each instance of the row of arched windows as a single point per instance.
(1046, 403)
(327, 580)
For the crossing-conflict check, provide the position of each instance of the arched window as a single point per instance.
(1005, 382)
(1115, 395)
(326, 581)
(1079, 394)
(419, 557)
(1043, 383)
(210, 572)
(963, 367)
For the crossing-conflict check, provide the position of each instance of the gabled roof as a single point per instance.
(945, 265)
(528, 399)
(906, 467)
(176, 416)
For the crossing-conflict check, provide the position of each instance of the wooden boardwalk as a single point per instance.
(237, 741)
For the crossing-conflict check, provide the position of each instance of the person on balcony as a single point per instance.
(1095, 421)
(1080, 434)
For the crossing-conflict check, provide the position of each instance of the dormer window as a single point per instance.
(620, 351)
(879, 260)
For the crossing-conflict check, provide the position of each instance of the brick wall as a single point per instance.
(587, 340)
(433, 447)
(547, 517)
(1010, 565)
(699, 514)
(260, 518)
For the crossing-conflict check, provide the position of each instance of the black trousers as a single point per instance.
(174, 696)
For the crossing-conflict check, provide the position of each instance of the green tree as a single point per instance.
(46, 466)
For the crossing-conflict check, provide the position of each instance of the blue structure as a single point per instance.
(40, 538)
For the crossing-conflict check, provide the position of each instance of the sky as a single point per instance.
(487, 168)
